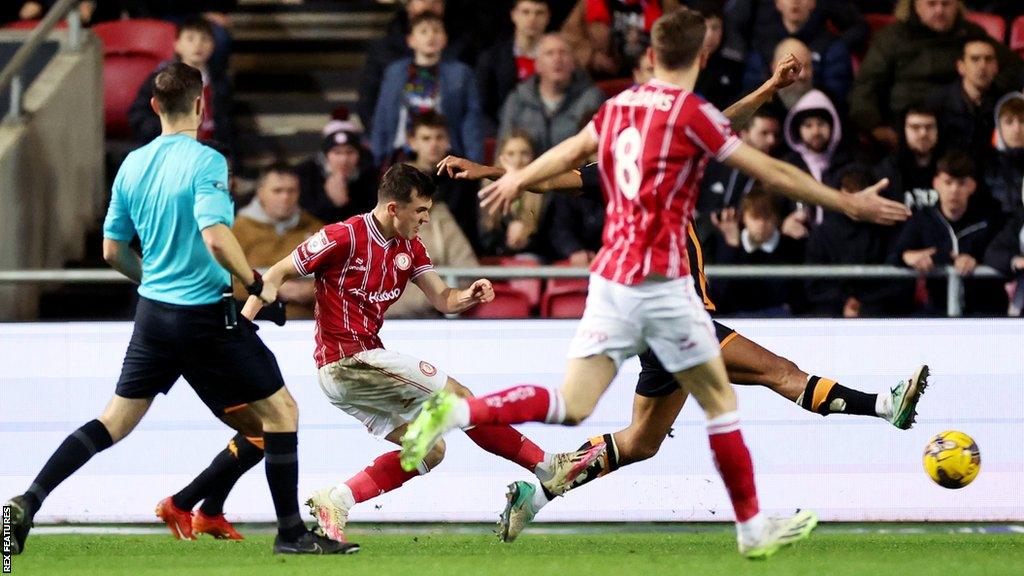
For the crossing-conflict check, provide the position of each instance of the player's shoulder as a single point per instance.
(346, 229)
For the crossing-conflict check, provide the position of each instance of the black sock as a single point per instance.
(282, 462)
(248, 455)
(71, 455)
(223, 471)
(826, 397)
(608, 462)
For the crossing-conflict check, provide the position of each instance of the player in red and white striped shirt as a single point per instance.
(361, 267)
(653, 142)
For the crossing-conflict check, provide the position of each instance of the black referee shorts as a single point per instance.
(655, 381)
(226, 368)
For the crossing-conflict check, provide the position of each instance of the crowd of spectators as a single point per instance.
(931, 101)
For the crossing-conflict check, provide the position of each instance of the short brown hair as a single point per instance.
(428, 119)
(400, 180)
(677, 38)
(176, 88)
(425, 17)
(955, 163)
(761, 203)
(1012, 107)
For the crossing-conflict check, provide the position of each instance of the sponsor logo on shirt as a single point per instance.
(386, 296)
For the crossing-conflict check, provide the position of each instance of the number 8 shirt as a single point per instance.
(654, 141)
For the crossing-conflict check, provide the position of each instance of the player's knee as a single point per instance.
(783, 372)
(575, 415)
(636, 448)
(435, 456)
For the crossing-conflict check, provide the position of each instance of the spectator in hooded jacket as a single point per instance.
(1004, 175)
(1006, 254)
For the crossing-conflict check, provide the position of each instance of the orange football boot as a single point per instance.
(178, 520)
(216, 526)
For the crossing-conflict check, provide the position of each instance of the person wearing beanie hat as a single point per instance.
(340, 181)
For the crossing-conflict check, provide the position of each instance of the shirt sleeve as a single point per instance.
(709, 130)
(331, 245)
(594, 126)
(421, 263)
(118, 224)
(213, 204)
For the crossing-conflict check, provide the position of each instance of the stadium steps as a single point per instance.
(294, 62)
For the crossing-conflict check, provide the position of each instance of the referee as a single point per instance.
(173, 194)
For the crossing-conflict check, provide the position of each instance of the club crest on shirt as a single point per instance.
(428, 369)
(403, 261)
(316, 243)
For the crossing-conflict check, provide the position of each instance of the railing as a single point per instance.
(954, 300)
(11, 74)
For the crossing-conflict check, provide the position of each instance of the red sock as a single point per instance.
(524, 403)
(734, 465)
(507, 442)
(384, 475)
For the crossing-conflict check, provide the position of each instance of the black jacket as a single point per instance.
(1009, 242)
(721, 81)
(928, 228)
(963, 125)
(908, 182)
(576, 223)
(1004, 177)
(145, 124)
(756, 297)
(497, 76)
(362, 191)
(840, 240)
(722, 187)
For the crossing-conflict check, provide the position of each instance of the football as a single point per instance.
(952, 459)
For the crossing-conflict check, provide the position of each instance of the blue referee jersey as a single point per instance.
(167, 192)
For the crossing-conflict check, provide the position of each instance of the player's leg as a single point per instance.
(749, 363)
(502, 440)
(212, 485)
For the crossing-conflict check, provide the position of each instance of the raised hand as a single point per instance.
(867, 205)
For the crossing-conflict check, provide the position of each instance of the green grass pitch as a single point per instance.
(611, 549)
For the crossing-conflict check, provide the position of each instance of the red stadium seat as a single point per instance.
(530, 287)
(1017, 36)
(31, 24)
(122, 76)
(878, 21)
(564, 303)
(490, 150)
(142, 36)
(993, 24)
(508, 303)
(614, 86)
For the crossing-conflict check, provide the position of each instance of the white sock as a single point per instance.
(543, 470)
(342, 495)
(883, 405)
(556, 407)
(461, 414)
(540, 499)
(752, 530)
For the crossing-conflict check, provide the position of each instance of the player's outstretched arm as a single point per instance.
(786, 72)
(794, 183)
(448, 300)
(568, 154)
(462, 169)
(278, 274)
(122, 258)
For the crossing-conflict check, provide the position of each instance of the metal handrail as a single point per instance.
(954, 303)
(12, 71)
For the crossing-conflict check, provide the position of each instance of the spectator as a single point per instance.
(966, 107)
(193, 45)
(427, 82)
(720, 79)
(511, 61)
(804, 83)
(340, 181)
(552, 105)
(912, 58)
(724, 187)
(394, 46)
(429, 141)
(832, 73)
(841, 240)
(577, 223)
(814, 133)
(611, 34)
(515, 233)
(270, 227)
(746, 19)
(1004, 175)
(178, 11)
(1006, 254)
(911, 168)
(753, 237)
(956, 232)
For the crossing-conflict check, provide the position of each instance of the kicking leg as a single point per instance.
(120, 417)
(749, 363)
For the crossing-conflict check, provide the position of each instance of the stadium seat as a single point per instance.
(31, 24)
(141, 36)
(566, 302)
(122, 76)
(508, 303)
(993, 24)
(614, 86)
(490, 149)
(1017, 36)
(878, 21)
(530, 287)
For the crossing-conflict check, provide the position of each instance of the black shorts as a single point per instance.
(655, 381)
(226, 368)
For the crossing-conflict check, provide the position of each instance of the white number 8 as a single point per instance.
(627, 162)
